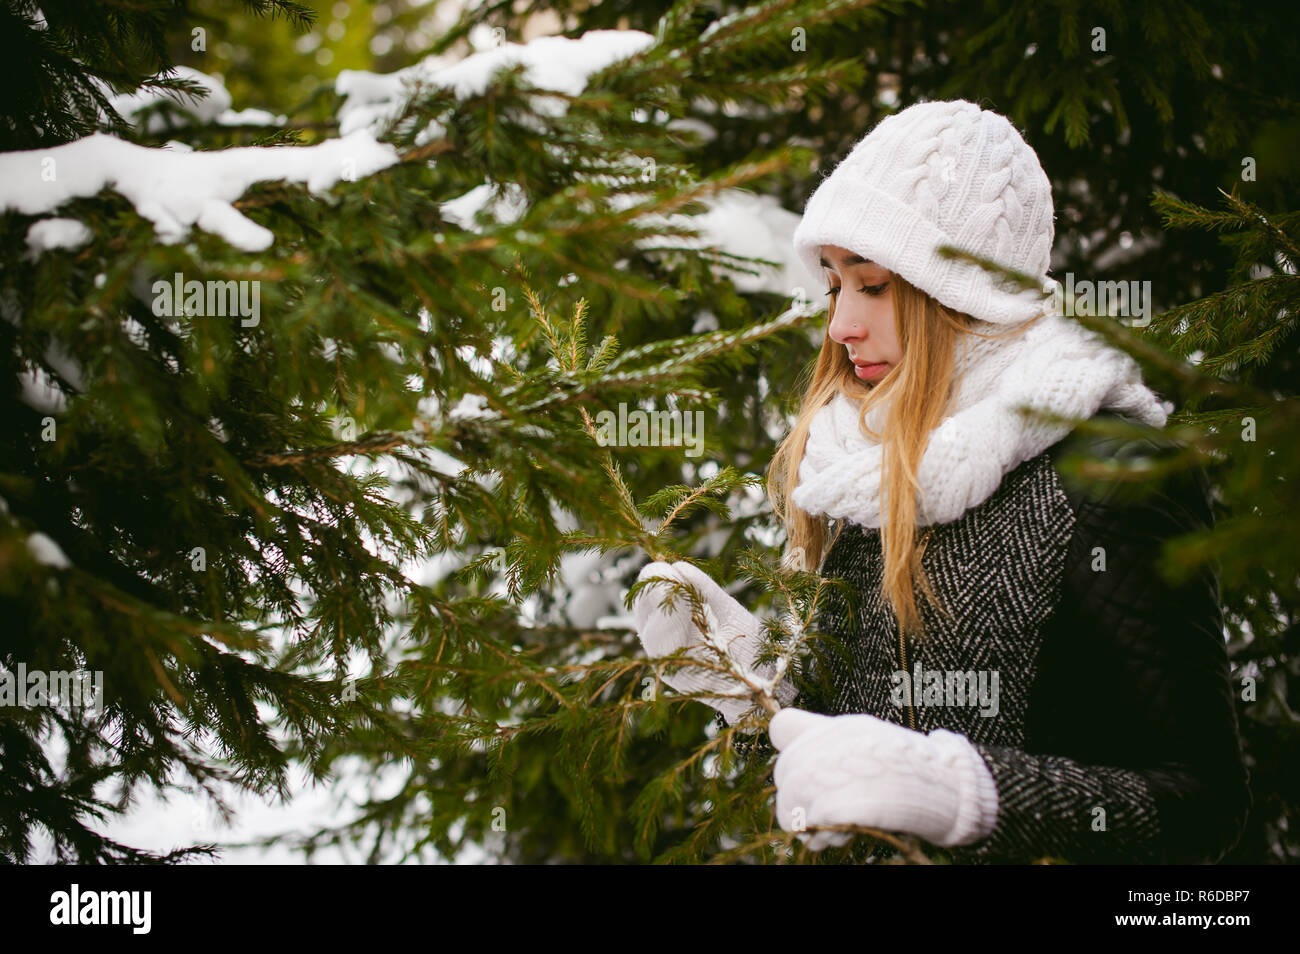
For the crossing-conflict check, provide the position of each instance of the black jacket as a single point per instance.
(1116, 737)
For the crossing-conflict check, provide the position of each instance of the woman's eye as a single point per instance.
(872, 290)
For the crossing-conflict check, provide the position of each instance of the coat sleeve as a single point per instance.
(1132, 753)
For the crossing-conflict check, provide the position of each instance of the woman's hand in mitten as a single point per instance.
(861, 770)
(663, 631)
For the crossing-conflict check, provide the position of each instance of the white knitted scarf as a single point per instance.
(1056, 366)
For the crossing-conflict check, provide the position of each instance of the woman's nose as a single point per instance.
(846, 327)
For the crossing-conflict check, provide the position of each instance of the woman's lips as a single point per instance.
(866, 372)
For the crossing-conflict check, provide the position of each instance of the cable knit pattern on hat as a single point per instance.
(945, 173)
(1057, 366)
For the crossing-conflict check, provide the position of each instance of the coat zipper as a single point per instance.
(911, 696)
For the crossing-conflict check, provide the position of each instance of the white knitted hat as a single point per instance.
(946, 173)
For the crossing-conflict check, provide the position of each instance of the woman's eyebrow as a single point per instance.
(848, 261)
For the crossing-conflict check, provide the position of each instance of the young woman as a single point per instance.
(1017, 679)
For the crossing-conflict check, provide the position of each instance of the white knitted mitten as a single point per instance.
(663, 631)
(860, 770)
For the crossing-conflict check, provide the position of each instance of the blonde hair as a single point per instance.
(923, 384)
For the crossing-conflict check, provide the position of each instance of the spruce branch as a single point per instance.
(1189, 376)
(567, 346)
(377, 443)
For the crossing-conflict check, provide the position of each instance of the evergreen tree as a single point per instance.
(225, 514)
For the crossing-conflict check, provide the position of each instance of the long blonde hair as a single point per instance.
(923, 384)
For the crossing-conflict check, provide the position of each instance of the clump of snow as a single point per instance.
(705, 322)
(251, 117)
(742, 223)
(58, 358)
(555, 63)
(175, 190)
(56, 233)
(471, 406)
(46, 551)
(505, 207)
(591, 594)
(695, 126)
(205, 109)
(443, 462)
(551, 62)
(211, 108)
(40, 392)
(739, 223)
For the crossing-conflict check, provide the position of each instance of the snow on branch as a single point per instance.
(213, 106)
(556, 63)
(180, 190)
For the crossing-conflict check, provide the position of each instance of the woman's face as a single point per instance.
(863, 296)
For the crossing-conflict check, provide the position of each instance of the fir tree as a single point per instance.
(221, 512)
